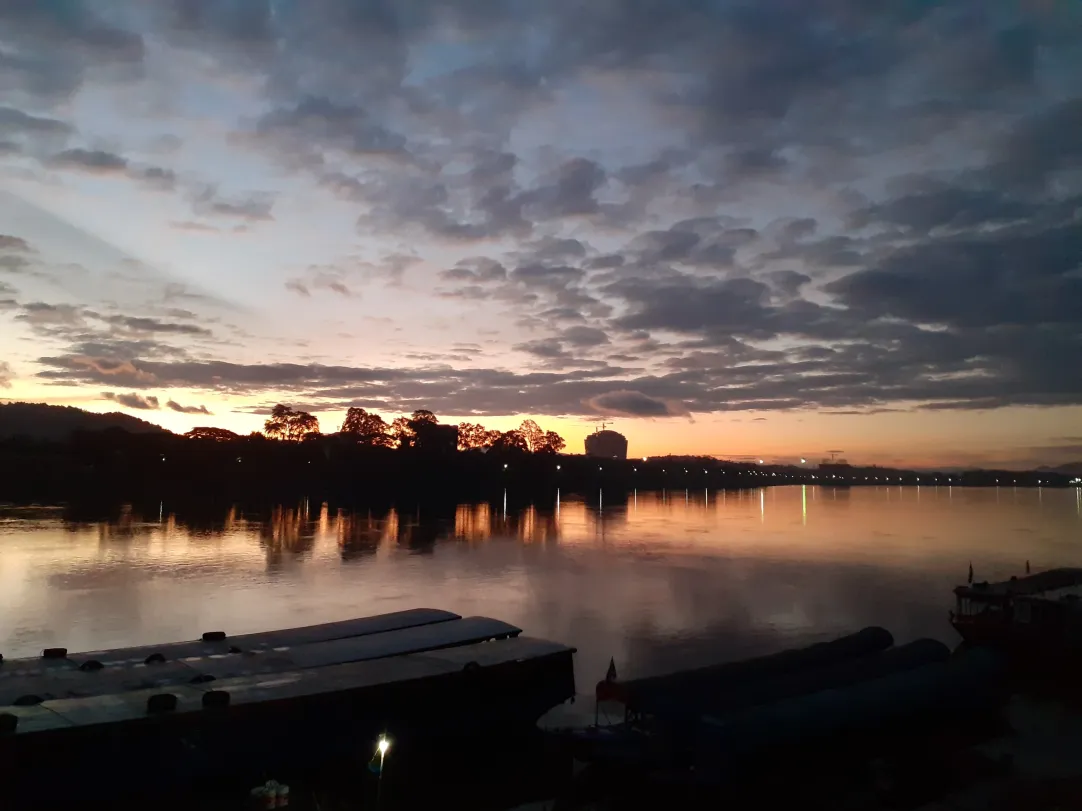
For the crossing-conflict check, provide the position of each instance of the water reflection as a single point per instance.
(656, 579)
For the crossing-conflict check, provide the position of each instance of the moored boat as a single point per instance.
(1036, 619)
(423, 681)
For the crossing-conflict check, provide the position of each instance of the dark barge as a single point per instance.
(189, 711)
(858, 693)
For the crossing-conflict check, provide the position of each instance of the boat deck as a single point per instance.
(217, 642)
(124, 707)
(215, 703)
(47, 679)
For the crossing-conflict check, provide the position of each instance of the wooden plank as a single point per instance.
(361, 626)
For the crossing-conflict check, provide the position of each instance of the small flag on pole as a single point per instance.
(607, 690)
(970, 574)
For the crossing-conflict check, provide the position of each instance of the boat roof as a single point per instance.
(1054, 584)
(130, 706)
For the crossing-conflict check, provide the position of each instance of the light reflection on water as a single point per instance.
(657, 580)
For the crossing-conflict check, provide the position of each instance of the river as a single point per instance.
(657, 582)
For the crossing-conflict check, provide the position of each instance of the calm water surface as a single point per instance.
(658, 581)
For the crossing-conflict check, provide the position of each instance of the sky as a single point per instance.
(751, 229)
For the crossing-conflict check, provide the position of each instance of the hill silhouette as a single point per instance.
(1069, 469)
(38, 421)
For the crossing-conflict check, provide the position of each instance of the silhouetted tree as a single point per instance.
(212, 434)
(289, 425)
(510, 442)
(402, 433)
(404, 429)
(367, 429)
(533, 435)
(424, 415)
(473, 436)
(550, 443)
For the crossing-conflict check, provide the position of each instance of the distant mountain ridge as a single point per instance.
(1069, 469)
(49, 422)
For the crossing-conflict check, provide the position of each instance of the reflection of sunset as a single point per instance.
(617, 576)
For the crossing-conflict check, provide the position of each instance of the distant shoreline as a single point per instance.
(115, 464)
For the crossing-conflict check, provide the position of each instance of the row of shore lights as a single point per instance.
(804, 462)
(741, 473)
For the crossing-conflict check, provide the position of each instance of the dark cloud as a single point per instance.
(548, 348)
(153, 325)
(552, 249)
(14, 121)
(584, 336)
(945, 206)
(321, 121)
(569, 191)
(40, 313)
(173, 405)
(89, 160)
(476, 269)
(58, 44)
(133, 400)
(557, 276)
(1039, 146)
(10, 243)
(256, 208)
(983, 279)
(155, 176)
(634, 404)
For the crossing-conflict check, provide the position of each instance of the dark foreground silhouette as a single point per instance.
(115, 464)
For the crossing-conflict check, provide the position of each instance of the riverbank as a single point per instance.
(152, 467)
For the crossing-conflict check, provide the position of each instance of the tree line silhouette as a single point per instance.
(422, 429)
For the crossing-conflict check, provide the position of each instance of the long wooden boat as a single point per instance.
(56, 677)
(445, 679)
(715, 716)
(664, 694)
(215, 643)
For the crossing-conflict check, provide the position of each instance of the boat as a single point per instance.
(1035, 619)
(173, 714)
(716, 720)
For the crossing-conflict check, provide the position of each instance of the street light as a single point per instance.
(803, 461)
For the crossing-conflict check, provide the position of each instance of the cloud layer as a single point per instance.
(643, 209)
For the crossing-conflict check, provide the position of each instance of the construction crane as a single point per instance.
(834, 454)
